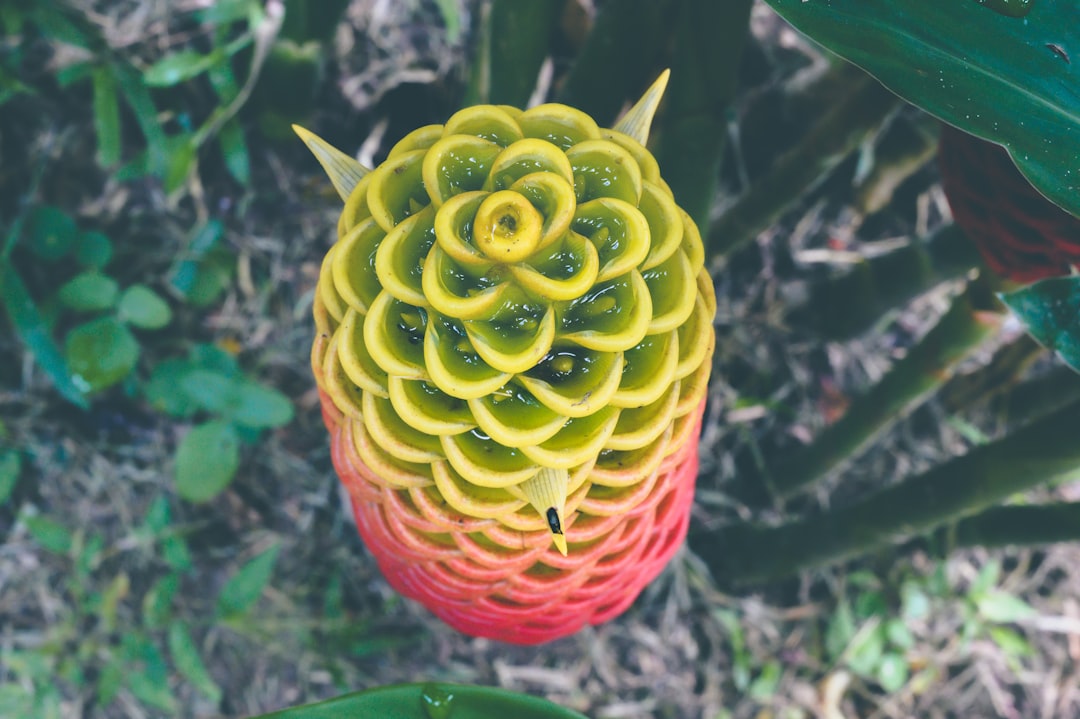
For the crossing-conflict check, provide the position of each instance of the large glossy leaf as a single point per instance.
(1013, 80)
(430, 701)
(1051, 311)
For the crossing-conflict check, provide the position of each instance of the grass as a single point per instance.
(120, 598)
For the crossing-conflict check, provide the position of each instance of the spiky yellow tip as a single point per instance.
(638, 119)
(344, 171)
(546, 492)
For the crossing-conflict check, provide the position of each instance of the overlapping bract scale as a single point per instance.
(515, 295)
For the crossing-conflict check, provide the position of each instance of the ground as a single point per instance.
(87, 566)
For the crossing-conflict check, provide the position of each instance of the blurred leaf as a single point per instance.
(871, 604)
(189, 663)
(106, 117)
(898, 634)
(866, 648)
(50, 232)
(29, 325)
(1050, 310)
(101, 352)
(224, 12)
(892, 673)
(178, 67)
(210, 390)
(235, 152)
(71, 74)
(93, 249)
(448, 9)
(201, 274)
(165, 391)
(223, 80)
(765, 684)
(259, 406)
(49, 533)
(10, 466)
(174, 550)
(144, 308)
(914, 604)
(157, 602)
(211, 277)
(110, 680)
(1003, 608)
(986, 579)
(1011, 642)
(142, 106)
(1002, 78)
(212, 357)
(840, 631)
(110, 599)
(179, 163)
(246, 586)
(89, 292)
(206, 461)
(151, 685)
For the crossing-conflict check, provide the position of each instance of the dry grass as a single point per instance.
(328, 622)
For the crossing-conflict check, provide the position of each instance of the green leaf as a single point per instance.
(914, 603)
(165, 391)
(892, 673)
(142, 107)
(866, 649)
(234, 150)
(898, 634)
(89, 292)
(1050, 310)
(258, 406)
(212, 357)
(29, 325)
(206, 461)
(49, 533)
(101, 352)
(179, 163)
(448, 9)
(189, 663)
(1002, 607)
(178, 67)
(764, 685)
(840, 631)
(1006, 79)
(10, 467)
(158, 600)
(246, 586)
(50, 232)
(433, 701)
(93, 249)
(212, 391)
(106, 116)
(144, 308)
(1011, 642)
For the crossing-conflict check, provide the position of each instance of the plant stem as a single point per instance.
(971, 319)
(708, 47)
(1015, 526)
(905, 147)
(1040, 395)
(832, 139)
(1044, 451)
(843, 306)
(997, 376)
(514, 39)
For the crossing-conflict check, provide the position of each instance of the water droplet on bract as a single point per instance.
(437, 700)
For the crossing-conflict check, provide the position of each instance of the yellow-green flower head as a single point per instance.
(516, 313)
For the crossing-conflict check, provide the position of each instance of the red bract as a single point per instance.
(1022, 236)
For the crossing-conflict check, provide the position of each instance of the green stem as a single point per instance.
(514, 39)
(859, 115)
(968, 322)
(619, 58)
(1044, 451)
(691, 132)
(997, 376)
(843, 306)
(1040, 395)
(905, 147)
(1016, 526)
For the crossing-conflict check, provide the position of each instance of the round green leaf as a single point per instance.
(93, 250)
(89, 292)
(50, 232)
(210, 390)
(144, 308)
(258, 406)
(892, 672)
(100, 353)
(206, 461)
(165, 391)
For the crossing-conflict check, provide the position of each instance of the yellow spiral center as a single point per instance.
(507, 227)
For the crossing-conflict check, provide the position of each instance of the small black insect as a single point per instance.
(553, 521)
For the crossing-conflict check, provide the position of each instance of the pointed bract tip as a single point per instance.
(344, 171)
(546, 492)
(638, 119)
(560, 543)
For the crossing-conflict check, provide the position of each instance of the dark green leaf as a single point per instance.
(29, 325)
(258, 406)
(165, 391)
(178, 67)
(49, 533)
(10, 466)
(110, 680)
(174, 550)
(206, 461)
(100, 353)
(189, 663)
(106, 117)
(93, 249)
(433, 701)
(50, 232)
(224, 12)
(840, 630)
(179, 164)
(89, 292)
(144, 308)
(234, 150)
(71, 74)
(1051, 311)
(210, 279)
(211, 357)
(142, 106)
(246, 586)
(864, 652)
(1002, 78)
(157, 602)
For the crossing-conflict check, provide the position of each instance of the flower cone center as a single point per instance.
(507, 227)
